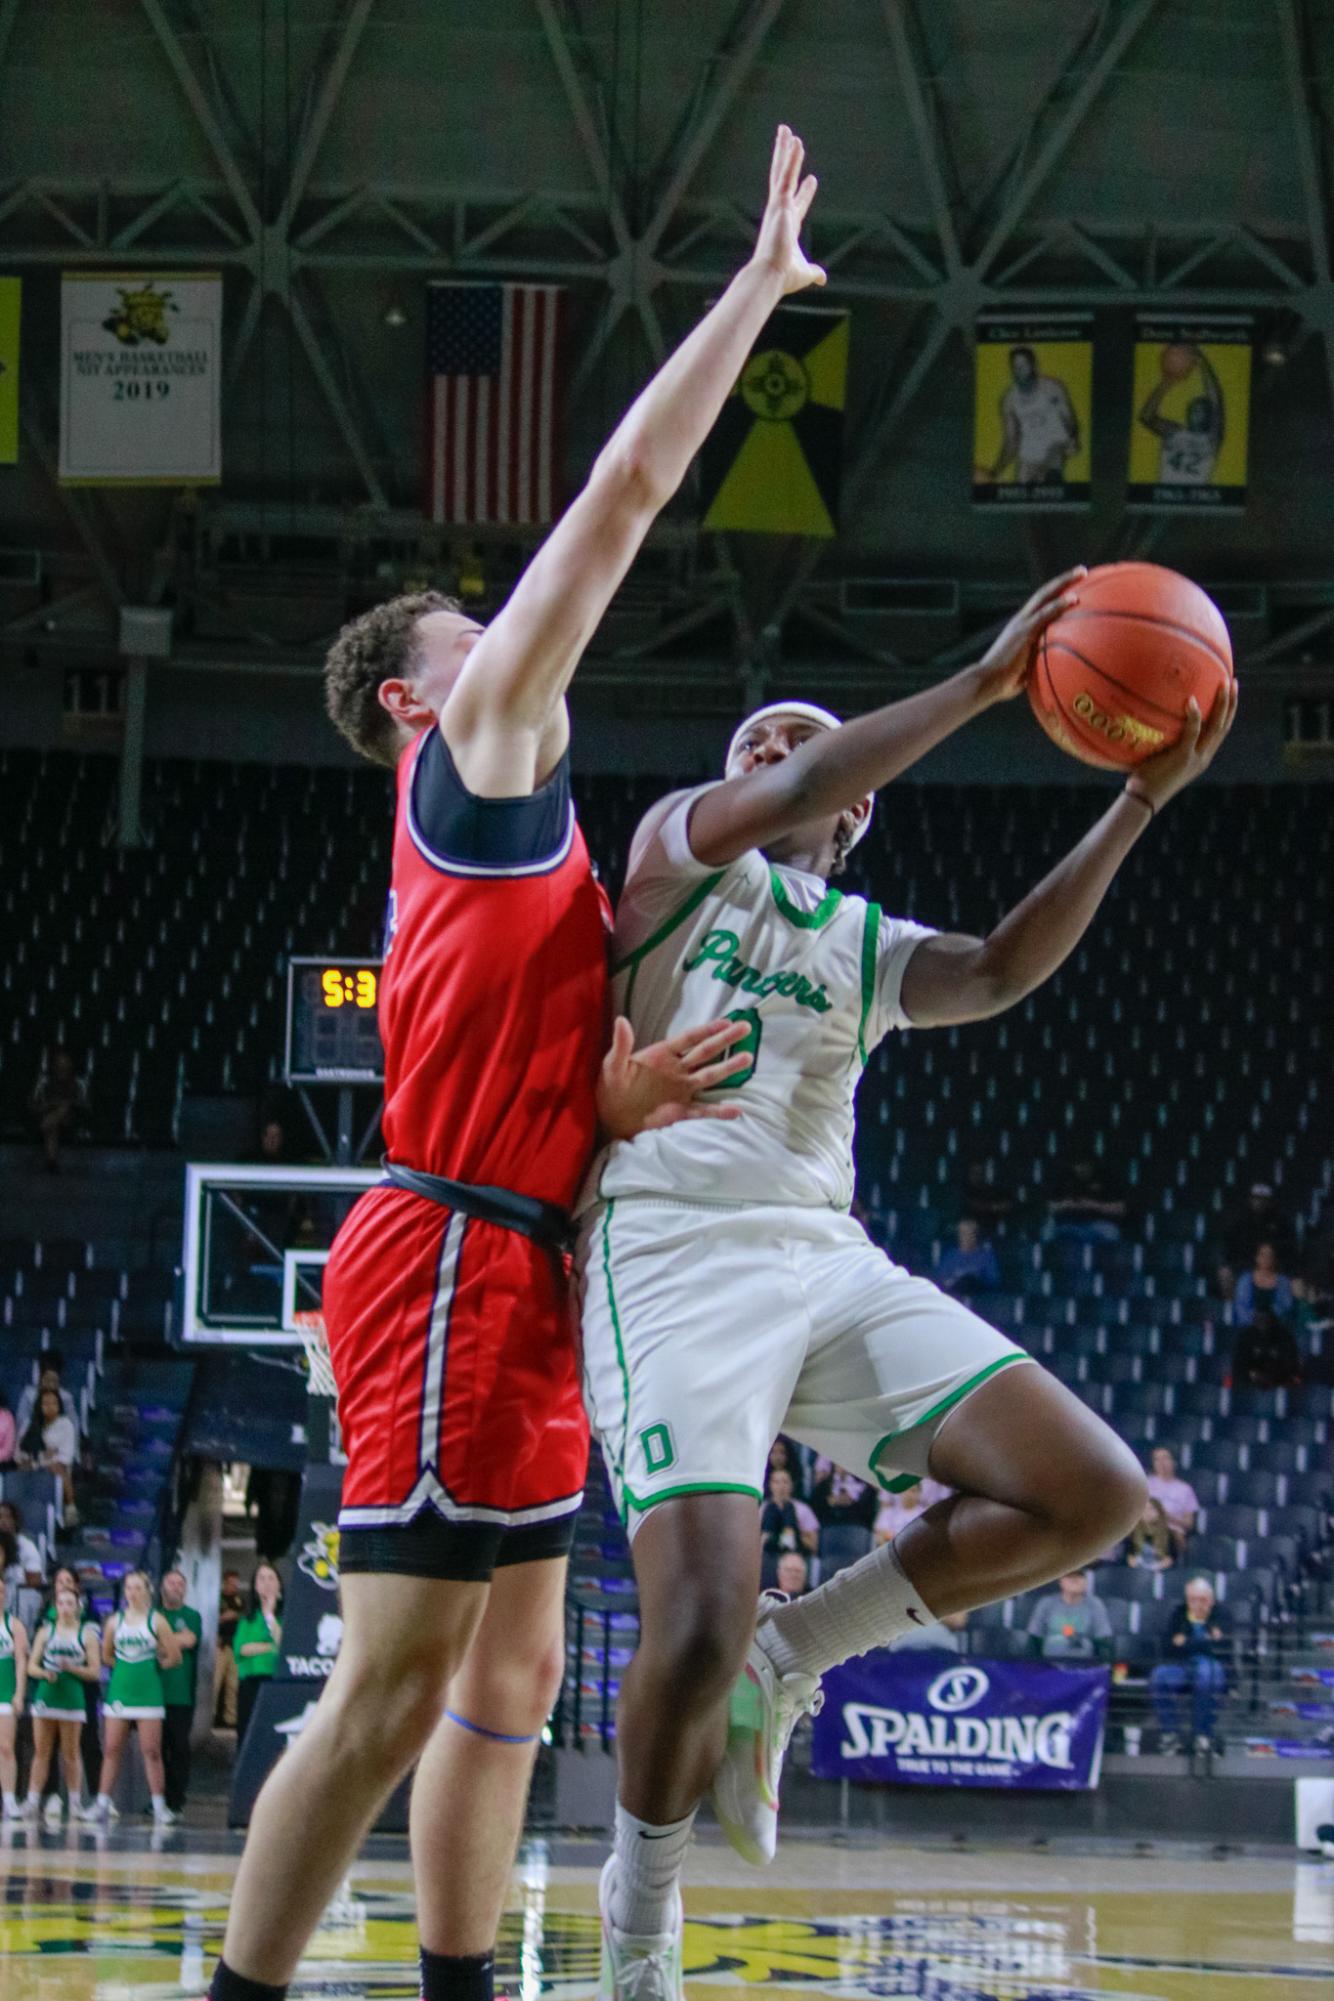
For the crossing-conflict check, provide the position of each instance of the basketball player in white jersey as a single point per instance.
(727, 1294)
(1187, 453)
(1039, 428)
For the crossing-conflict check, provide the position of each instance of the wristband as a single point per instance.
(1142, 797)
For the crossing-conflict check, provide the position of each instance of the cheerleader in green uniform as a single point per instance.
(13, 1678)
(137, 1643)
(64, 1660)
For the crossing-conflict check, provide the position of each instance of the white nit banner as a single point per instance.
(140, 378)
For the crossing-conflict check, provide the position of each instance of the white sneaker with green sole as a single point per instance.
(764, 1710)
(634, 1968)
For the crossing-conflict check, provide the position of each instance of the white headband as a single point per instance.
(806, 712)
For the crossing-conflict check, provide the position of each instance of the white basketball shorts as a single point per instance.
(708, 1329)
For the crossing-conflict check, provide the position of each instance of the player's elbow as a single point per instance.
(626, 479)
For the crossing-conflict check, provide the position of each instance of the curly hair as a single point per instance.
(379, 646)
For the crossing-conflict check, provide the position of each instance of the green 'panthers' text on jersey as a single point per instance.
(814, 974)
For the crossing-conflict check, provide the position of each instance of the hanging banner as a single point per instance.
(11, 296)
(1190, 431)
(929, 1719)
(140, 379)
(1033, 411)
(773, 462)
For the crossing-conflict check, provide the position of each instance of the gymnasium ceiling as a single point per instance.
(329, 156)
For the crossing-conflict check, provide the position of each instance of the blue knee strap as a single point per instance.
(496, 1736)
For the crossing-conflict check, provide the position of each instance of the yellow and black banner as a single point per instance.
(773, 461)
(1033, 411)
(11, 297)
(1191, 413)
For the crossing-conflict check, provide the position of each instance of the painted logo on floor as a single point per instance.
(929, 1949)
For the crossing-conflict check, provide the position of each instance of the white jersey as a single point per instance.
(1044, 419)
(1188, 457)
(815, 974)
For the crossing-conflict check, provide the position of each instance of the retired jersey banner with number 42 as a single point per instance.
(1190, 432)
(1033, 412)
(140, 379)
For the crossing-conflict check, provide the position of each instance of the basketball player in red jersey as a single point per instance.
(444, 1298)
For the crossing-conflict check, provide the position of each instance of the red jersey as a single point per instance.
(493, 999)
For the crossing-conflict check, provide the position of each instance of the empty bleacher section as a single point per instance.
(1186, 1045)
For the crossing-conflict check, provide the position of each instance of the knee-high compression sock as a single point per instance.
(457, 1977)
(228, 1986)
(864, 1606)
(648, 1868)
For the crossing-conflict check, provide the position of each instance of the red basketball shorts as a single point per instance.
(453, 1348)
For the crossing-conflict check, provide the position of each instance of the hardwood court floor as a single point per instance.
(87, 1917)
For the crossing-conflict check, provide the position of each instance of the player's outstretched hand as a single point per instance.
(642, 1089)
(779, 242)
(1160, 778)
(1003, 668)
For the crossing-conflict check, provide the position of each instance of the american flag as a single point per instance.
(491, 356)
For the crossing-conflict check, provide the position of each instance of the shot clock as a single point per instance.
(333, 1029)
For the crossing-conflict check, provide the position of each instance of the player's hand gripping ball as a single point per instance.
(1111, 678)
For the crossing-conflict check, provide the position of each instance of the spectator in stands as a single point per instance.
(794, 1574)
(59, 1103)
(1068, 1625)
(66, 1662)
(29, 1556)
(178, 1687)
(258, 1638)
(783, 1455)
(52, 1373)
(1266, 1356)
(1087, 1205)
(897, 1510)
(273, 1149)
(1264, 1285)
(840, 1499)
(13, 1681)
(1150, 1546)
(231, 1610)
(137, 1644)
(786, 1522)
(1259, 1221)
(1198, 1647)
(971, 1266)
(941, 1636)
(9, 1431)
(1179, 1500)
(52, 1444)
(985, 1200)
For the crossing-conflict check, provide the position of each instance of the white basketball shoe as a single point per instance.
(635, 1968)
(764, 1710)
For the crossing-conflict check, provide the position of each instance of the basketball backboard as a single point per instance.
(256, 1243)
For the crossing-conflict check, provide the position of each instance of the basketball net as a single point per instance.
(309, 1324)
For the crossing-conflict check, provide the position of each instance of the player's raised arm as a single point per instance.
(951, 978)
(518, 671)
(834, 770)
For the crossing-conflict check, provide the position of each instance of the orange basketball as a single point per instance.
(1110, 679)
(1176, 362)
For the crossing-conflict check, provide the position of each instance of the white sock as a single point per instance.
(104, 1799)
(159, 1805)
(867, 1605)
(11, 1801)
(648, 1868)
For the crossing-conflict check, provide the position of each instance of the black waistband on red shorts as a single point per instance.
(544, 1222)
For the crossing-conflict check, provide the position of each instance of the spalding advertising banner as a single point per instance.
(929, 1719)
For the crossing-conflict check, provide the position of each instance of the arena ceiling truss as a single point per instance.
(976, 220)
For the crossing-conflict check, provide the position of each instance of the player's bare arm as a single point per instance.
(645, 1089)
(954, 978)
(1009, 450)
(503, 718)
(834, 770)
(1151, 415)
